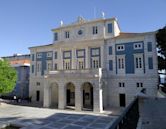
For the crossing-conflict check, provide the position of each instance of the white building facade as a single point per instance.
(92, 65)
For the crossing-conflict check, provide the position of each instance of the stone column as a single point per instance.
(73, 60)
(78, 98)
(102, 56)
(98, 99)
(62, 96)
(60, 58)
(46, 100)
(87, 58)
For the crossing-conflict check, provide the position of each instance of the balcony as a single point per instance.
(76, 73)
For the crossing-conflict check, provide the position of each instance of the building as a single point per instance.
(93, 65)
(22, 65)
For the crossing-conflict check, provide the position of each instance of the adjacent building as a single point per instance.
(93, 65)
(22, 65)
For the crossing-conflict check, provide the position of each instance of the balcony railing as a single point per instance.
(89, 73)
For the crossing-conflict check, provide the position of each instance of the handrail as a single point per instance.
(125, 121)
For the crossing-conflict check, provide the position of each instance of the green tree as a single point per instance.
(161, 44)
(8, 77)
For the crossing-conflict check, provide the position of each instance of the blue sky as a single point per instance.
(26, 23)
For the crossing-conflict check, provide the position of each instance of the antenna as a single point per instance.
(61, 23)
(103, 15)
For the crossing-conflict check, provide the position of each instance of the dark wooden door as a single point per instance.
(68, 96)
(122, 100)
(37, 95)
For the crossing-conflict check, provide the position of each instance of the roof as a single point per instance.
(130, 35)
(41, 46)
(83, 21)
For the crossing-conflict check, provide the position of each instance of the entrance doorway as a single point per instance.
(70, 94)
(122, 100)
(87, 91)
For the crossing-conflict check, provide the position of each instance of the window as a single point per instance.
(55, 55)
(121, 84)
(49, 54)
(38, 66)
(110, 65)
(32, 68)
(110, 50)
(66, 54)
(95, 29)
(95, 64)
(33, 57)
(150, 62)
(55, 66)
(67, 34)
(121, 63)
(39, 55)
(80, 64)
(95, 51)
(38, 83)
(67, 65)
(110, 28)
(137, 46)
(120, 48)
(138, 62)
(149, 46)
(139, 84)
(49, 66)
(55, 36)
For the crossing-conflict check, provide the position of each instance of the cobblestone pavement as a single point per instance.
(42, 118)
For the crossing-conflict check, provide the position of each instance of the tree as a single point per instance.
(8, 77)
(161, 44)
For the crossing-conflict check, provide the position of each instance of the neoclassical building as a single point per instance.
(92, 65)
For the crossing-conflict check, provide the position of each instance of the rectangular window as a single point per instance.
(110, 65)
(49, 66)
(95, 51)
(67, 34)
(32, 68)
(139, 84)
(138, 62)
(110, 28)
(80, 64)
(95, 64)
(33, 57)
(55, 66)
(39, 55)
(55, 55)
(66, 65)
(95, 30)
(49, 54)
(38, 83)
(110, 50)
(137, 46)
(121, 84)
(150, 62)
(120, 48)
(121, 63)
(55, 36)
(149, 46)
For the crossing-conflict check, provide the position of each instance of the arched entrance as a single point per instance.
(54, 95)
(70, 94)
(87, 95)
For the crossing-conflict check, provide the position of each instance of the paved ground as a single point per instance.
(41, 118)
(152, 113)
